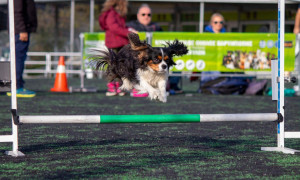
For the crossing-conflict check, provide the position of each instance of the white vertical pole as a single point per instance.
(81, 36)
(201, 19)
(13, 72)
(280, 102)
(72, 17)
(48, 65)
(92, 9)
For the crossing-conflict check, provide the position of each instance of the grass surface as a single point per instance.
(219, 150)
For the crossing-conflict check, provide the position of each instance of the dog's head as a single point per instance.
(158, 59)
(162, 57)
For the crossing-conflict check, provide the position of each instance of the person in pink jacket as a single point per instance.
(112, 21)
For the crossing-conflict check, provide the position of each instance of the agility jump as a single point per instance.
(277, 89)
(171, 118)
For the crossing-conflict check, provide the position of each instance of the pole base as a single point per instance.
(280, 149)
(14, 153)
(88, 89)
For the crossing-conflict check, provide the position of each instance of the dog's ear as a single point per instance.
(177, 48)
(135, 42)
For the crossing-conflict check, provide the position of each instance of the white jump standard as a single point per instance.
(279, 82)
(277, 89)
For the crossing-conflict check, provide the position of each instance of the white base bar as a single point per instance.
(6, 138)
(292, 135)
(60, 119)
(85, 89)
(280, 149)
(14, 154)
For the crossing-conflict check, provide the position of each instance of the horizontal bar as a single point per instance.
(239, 117)
(221, 75)
(156, 118)
(35, 62)
(222, 1)
(6, 138)
(51, 71)
(180, 1)
(169, 118)
(44, 62)
(60, 119)
(78, 54)
(292, 135)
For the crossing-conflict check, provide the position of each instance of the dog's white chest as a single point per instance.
(151, 77)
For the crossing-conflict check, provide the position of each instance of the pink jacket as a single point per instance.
(115, 28)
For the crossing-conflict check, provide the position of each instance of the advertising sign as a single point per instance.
(228, 52)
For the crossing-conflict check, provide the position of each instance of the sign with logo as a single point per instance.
(228, 52)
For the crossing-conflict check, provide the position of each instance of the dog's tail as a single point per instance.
(102, 58)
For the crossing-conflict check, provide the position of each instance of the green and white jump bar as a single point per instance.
(169, 118)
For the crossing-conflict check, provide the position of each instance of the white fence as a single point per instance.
(45, 63)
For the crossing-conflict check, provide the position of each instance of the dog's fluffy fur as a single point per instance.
(140, 66)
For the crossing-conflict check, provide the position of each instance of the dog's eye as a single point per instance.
(156, 60)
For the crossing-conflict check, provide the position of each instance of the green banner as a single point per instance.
(228, 52)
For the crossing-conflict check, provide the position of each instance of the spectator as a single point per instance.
(211, 82)
(144, 24)
(216, 24)
(25, 24)
(297, 21)
(112, 21)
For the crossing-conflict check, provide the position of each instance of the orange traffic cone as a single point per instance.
(60, 84)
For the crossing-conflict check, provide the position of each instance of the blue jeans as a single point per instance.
(21, 55)
(174, 81)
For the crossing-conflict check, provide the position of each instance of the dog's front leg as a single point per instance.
(153, 93)
(162, 85)
(140, 89)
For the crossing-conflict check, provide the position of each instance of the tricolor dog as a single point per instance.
(140, 66)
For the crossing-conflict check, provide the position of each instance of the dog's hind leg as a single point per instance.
(127, 85)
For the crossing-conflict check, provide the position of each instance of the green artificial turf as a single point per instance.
(218, 150)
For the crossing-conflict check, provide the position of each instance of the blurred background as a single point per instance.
(60, 23)
(55, 32)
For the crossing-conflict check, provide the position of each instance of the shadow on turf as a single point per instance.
(187, 142)
(156, 152)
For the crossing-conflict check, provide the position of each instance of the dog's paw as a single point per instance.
(162, 99)
(125, 88)
(142, 91)
(154, 95)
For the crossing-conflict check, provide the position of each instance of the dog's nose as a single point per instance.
(164, 66)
